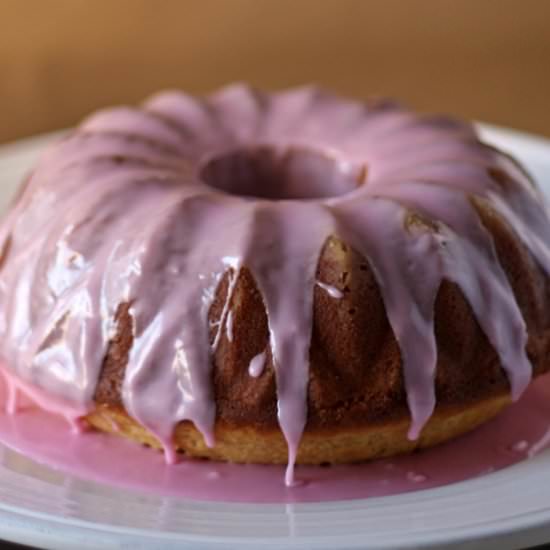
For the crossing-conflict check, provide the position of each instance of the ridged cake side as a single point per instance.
(357, 406)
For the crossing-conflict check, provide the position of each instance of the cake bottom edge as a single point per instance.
(250, 445)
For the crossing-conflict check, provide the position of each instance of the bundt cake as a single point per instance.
(276, 278)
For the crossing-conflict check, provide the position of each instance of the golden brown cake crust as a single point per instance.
(356, 388)
(242, 444)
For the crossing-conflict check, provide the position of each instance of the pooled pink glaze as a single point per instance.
(517, 434)
(152, 206)
(540, 444)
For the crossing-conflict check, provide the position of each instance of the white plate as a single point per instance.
(507, 509)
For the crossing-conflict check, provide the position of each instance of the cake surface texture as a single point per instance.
(276, 277)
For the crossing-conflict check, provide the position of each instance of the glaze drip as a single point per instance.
(138, 222)
(332, 291)
(257, 365)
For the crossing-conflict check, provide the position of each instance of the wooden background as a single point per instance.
(483, 59)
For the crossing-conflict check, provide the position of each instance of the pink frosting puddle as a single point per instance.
(519, 433)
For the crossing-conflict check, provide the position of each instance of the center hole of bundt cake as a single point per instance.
(274, 174)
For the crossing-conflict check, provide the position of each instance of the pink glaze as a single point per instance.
(229, 327)
(47, 439)
(332, 291)
(257, 365)
(540, 444)
(152, 206)
(19, 395)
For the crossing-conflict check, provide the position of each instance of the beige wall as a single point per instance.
(486, 59)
